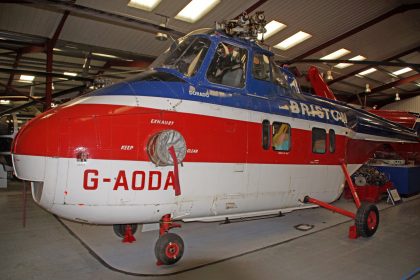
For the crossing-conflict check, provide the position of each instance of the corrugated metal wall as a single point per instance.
(409, 105)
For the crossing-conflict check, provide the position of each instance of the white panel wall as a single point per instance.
(409, 105)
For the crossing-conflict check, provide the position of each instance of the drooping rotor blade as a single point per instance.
(362, 62)
(44, 74)
(31, 103)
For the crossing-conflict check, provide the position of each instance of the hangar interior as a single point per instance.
(368, 53)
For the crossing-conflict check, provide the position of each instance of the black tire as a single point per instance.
(119, 229)
(169, 248)
(367, 220)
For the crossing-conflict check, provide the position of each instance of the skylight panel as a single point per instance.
(26, 78)
(196, 9)
(147, 5)
(105, 55)
(272, 27)
(367, 72)
(72, 74)
(345, 65)
(293, 40)
(337, 54)
(402, 71)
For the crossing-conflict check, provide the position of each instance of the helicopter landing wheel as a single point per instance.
(367, 220)
(169, 248)
(119, 229)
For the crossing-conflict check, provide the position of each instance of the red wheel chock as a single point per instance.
(128, 235)
(352, 230)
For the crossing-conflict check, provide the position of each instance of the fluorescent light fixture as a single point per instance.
(26, 78)
(57, 50)
(293, 40)
(147, 5)
(345, 65)
(105, 55)
(402, 71)
(196, 9)
(336, 54)
(70, 74)
(3, 101)
(272, 27)
(366, 72)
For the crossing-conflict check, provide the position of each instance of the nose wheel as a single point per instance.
(169, 248)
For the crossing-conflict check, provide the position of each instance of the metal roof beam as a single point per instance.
(388, 86)
(404, 53)
(400, 9)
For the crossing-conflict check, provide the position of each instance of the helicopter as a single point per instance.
(215, 129)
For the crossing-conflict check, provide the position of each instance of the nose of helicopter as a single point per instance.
(35, 141)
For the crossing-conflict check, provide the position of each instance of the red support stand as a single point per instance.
(330, 207)
(352, 230)
(166, 224)
(128, 235)
(350, 183)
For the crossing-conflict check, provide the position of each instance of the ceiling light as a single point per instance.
(105, 55)
(344, 65)
(70, 74)
(3, 101)
(336, 54)
(160, 36)
(196, 9)
(329, 75)
(26, 78)
(293, 40)
(397, 97)
(272, 27)
(367, 89)
(147, 5)
(366, 72)
(402, 71)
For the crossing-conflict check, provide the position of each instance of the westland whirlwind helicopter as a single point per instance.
(213, 130)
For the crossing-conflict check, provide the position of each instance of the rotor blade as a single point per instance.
(114, 18)
(44, 74)
(362, 62)
(31, 103)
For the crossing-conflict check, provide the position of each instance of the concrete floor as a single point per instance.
(44, 249)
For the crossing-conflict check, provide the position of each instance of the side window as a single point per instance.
(228, 66)
(319, 140)
(261, 67)
(331, 134)
(281, 136)
(266, 134)
(279, 78)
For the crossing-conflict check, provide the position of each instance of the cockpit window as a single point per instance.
(228, 66)
(185, 56)
(279, 77)
(261, 67)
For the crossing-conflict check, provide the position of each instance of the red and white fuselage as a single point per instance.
(225, 172)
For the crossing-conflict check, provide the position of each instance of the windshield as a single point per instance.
(185, 56)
